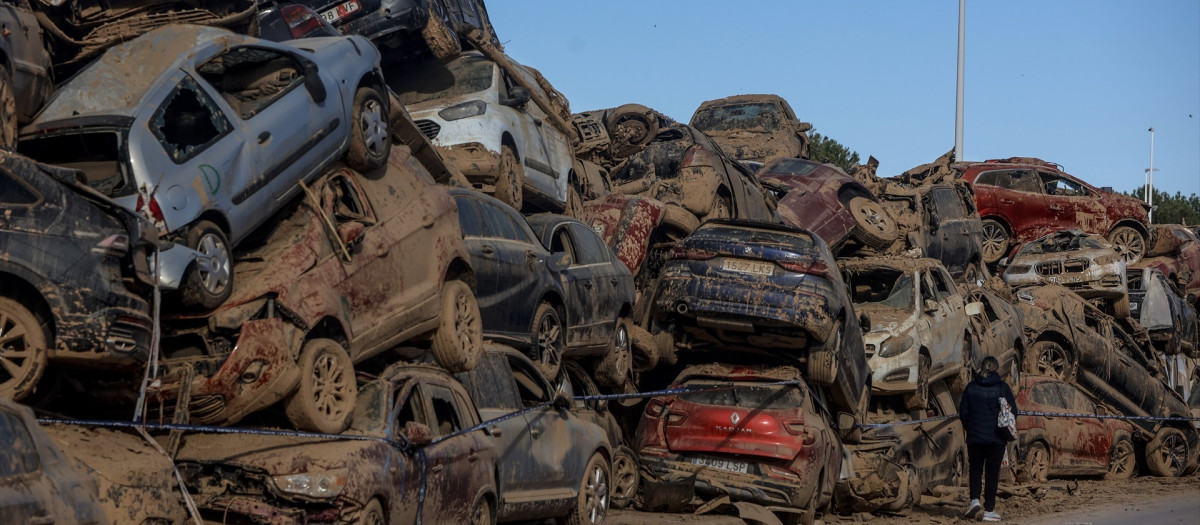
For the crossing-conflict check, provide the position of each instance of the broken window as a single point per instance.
(433, 80)
(411, 409)
(734, 117)
(187, 122)
(744, 395)
(948, 206)
(251, 78)
(14, 192)
(94, 151)
(445, 413)
(941, 284)
(1056, 185)
(346, 204)
(886, 287)
(531, 390)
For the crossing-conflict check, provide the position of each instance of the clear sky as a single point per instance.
(1077, 82)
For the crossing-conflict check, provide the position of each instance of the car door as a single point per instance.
(946, 321)
(403, 469)
(1048, 398)
(613, 284)
(29, 63)
(494, 391)
(550, 433)
(950, 238)
(1019, 199)
(452, 460)
(535, 157)
(1073, 204)
(580, 286)
(1092, 439)
(514, 266)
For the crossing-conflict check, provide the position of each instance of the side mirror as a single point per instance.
(1101, 410)
(517, 97)
(931, 306)
(864, 322)
(848, 428)
(418, 433)
(312, 80)
(975, 308)
(562, 399)
(559, 261)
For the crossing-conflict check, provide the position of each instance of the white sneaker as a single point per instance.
(990, 516)
(973, 509)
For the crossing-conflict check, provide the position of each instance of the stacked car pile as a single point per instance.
(230, 234)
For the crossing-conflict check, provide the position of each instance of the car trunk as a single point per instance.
(751, 420)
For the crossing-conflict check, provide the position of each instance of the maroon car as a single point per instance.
(1055, 445)
(754, 434)
(1021, 199)
(826, 201)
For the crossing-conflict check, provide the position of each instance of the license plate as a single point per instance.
(1065, 280)
(1133, 307)
(341, 11)
(750, 267)
(723, 464)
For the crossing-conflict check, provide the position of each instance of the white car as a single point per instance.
(484, 124)
(1084, 263)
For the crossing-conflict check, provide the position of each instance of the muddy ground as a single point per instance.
(1176, 500)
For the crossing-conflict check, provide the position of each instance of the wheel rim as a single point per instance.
(482, 515)
(508, 164)
(995, 241)
(548, 339)
(374, 127)
(1129, 243)
(466, 323)
(330, 386)
(216, 276)
(374, 518)
(596, 495)
(624, 353)
(1122, 462)
(1039, 465)
(870, 214)
(1052, 362)
(625, 478)
(1173, 453)
(8, 116)
(18, 360)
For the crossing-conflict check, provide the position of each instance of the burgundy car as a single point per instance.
(750, 438)
(826, 201)
(1021, 199)
(1054, 446)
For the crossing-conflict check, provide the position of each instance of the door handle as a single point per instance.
(494, 431)
(530, 255)
(437, 468)
(537, 122)
(535, 432)
(1006, 201)
(264, 136)
(472, 456)
(427, 220)
(487, 249)
(1055, 207)
(614, 281)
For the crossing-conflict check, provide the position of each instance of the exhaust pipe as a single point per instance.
(681, 307)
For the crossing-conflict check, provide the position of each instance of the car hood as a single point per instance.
(886, 322)
(280, 454)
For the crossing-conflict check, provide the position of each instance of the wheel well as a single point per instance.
(851, 190)
(507, 140)
(217, 218)
(329, 328)
(554, 299)
(24, 292)
(1059, 339)
(626, 310)
(1141, 228)
(461, 271)
(373, 80)
(1003, 224)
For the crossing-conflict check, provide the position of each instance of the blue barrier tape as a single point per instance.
(1108, 416)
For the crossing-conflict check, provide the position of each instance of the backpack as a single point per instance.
(1006, 423)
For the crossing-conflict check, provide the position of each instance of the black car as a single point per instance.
(25, 82)
(947, 225)
(74, 273)
(553, 304)
(766, 289)
(393, 23)
(283, 21)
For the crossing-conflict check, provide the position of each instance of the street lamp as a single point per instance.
(1150, 180)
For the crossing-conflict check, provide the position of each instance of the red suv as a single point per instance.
(1021, 199)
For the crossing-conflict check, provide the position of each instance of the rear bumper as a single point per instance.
(382, 24)
(116, 336)
(749, 487)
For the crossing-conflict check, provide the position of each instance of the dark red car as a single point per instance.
(1021, 199)
(1055, 446)
(755, 440)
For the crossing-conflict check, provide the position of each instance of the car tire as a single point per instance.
(1130, 243)
(1167, 455)
(872, 224)
(996, 241)
(822, 362)
(1036, 468)
(680, 221)
(919, 398)
(370, 132)
(24, 349)
(547, 340)
(325, 398)
(8, 111)
(208, 289)
(614, 368)
(1120, 307)
(482, 512)
(625, 477)
(372, 514)
(958, 382)
(510, 181)
(1048, 358)
(645, 347)
(442, 41)
(591, 504)
(630, 128)
(1122, 460)
(458, 340)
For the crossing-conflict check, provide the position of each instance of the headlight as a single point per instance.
(53, 3)
(325, 485)
(1017, 269)
(895, 346)
(464, 110)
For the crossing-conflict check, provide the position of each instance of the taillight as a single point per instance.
(781, 473)
(155, 211)
(301, 20)
(690, 254)
(116, 245)
(675, 418)
(813, 267)
(697, 156)
(794, 427)
(655, 408)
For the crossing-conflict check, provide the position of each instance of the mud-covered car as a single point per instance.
(1176, 253)
(38, 483)
(213, 138)
(939, 220)
(1159, 307)
(76, 272)
(768, 290)
(753, 127)
(1084, 263)
(1023, 198)
(410, 457)
(552, 462)
(625, 477)
(918, 325)
(1069, 446)
(895, 464)
(754, 434)
(826, 201)
(999, 331)
(333, 283)
(283, 21)
(484, 124)
(1073, 341)
(25, 78)
(394, 23)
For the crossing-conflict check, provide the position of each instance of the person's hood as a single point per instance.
(986, 378)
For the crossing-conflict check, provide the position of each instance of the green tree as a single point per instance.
(825, 149)
(1172, 209)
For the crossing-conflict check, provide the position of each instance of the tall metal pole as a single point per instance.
(1150, 186)
(958, 106)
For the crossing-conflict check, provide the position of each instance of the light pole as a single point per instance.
(958, 105)
(1150, 180)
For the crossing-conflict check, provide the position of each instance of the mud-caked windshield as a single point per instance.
(883, 287)
(752, 117)
(744, 394)
(1061, 242)
(432, 80)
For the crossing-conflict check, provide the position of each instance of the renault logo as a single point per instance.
(735, 418)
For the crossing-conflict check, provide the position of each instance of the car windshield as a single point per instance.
(761, 117)
(744, 394)
(755, 235)
(1061, 242)
(883, 287)
(791, 167)
(432, 80)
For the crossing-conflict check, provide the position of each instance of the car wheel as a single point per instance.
(325, 398)
(548, 338)
(8, 111)
(630, 127)
(919, 398)
(1037, 464)
(481, 512)
(872, 224)
(680, 222)
(614, 368)
(371, 133)
(822, 362)
(625, 477)
(1122, 462)
(23, 349)
(510, 182)
(1129, 243)
(372, 514)
(958, 382)
(208, 287)
(592, 502)
(645, 348)
(1167, 454)
(1120, 307)
(1048, 358)
(960, 470)
(442, 41)
(458, 341)
(995, 241)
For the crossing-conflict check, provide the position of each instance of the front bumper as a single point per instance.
(228, 508)
(752, 486)
(384, 24)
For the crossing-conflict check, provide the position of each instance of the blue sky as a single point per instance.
(1074, 82)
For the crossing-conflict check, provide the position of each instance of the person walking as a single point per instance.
(979, 412)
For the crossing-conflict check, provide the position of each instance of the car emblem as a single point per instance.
(735, 418)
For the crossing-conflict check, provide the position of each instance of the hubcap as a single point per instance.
(214, 277)
(549, 334)
(995, 241)
(1038, 464)
(596, 496)
(330, 385)
(625, 477)
(1052, 363)
(1121, 460)
(16, 358)
(464, 322)
(373, 126)
(1129, 243)
(1174, 453)
(874, 217)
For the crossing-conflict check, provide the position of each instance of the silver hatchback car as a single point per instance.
(209, 133)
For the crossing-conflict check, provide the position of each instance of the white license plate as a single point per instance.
(750, 267)
(723, 464)
(341, 11)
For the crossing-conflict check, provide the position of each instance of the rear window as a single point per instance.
(432, 80)
(745, 395)
(754, 235)
(792, 167)
(764, 117)
(97, 153)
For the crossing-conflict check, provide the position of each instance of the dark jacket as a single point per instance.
(980, 408)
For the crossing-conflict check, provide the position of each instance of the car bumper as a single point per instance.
(803, 311)
(112, 336)
(229, 508)
(738, 486)
(383, 24)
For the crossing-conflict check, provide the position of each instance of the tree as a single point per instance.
(827, 150)
(1172, 209)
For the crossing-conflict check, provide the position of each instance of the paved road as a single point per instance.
(1182, 509)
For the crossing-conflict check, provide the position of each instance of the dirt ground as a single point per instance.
(1059, 501)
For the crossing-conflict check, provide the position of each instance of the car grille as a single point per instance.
(428, 128)
(1059, 267)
